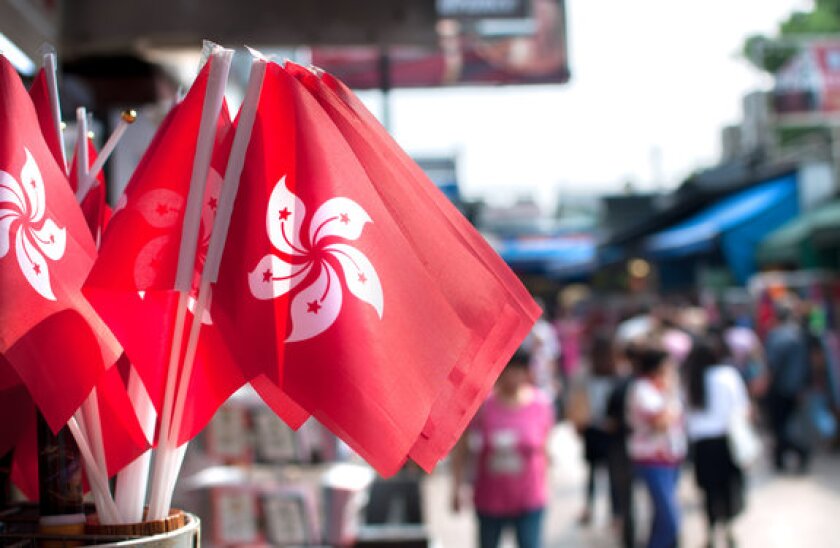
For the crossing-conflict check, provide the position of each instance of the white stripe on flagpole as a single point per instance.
(98, 478)
(89, 180)
(219, 68)
(221, 223)
(132, 480)
(203, 155)
(236, 161)
(218, 236)
(49, 62)
(81, 149)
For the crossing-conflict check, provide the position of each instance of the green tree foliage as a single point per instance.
(770, 53)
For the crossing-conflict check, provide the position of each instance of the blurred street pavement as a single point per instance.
(782, 510)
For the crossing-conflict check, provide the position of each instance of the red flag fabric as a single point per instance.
(48, 332)
(412, 197)
(123, 439)
(132, 282)
(94, 205)
(361, 308)
(140, 252)
(40, 94)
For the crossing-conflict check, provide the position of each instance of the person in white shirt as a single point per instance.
(657, 443)
(716, 393)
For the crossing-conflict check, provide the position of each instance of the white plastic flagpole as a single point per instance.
(221, 223)
(221, 60)
(82, 158)
(98, 479)
(49, 61)
(87, 182)
(132, 480)
(91, 422)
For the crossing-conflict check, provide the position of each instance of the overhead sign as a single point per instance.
(810, 81)
(481, 51)
(482, 9)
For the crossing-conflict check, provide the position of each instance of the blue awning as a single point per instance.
(563, 256)
(736, 224)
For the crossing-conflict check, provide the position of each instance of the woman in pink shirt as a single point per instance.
(511, 432)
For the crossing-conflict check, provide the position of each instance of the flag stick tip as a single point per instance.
(128, 116)
(257, 54)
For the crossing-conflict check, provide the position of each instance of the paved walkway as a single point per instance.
(782, 511)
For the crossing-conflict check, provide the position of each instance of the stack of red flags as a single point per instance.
(54, 348)
(349, 288)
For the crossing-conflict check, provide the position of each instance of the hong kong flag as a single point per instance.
(413, 198)
(330, 288)
(132, 283)
(53, 339)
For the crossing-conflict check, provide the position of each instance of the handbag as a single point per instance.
(745, 445)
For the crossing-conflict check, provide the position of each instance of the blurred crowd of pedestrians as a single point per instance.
(656, 391)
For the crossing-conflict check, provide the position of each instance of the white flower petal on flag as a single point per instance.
(161, 207)
(341, 217)
(274, 277)
(22, 209)
(33, 265)
(51, 239)
(316, 307)
(148, 265)
(284, 218)
(33, 186)
(359, 274)
(6, 219)
(10, 193)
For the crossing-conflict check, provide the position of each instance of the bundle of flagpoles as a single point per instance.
(128, 505)
(86, 423)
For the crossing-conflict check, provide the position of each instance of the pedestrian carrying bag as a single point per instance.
(744, 442)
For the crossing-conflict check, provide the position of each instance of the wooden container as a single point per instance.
(179, 530)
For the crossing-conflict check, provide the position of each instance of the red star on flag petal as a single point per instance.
(344, 218)
(285, 213)
(313, 307)
(267, 275)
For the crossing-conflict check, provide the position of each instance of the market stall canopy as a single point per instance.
(562, 257)
(735, 224)
(798, 242)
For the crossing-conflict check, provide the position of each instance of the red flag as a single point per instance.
(412, 197)
(94, 205)
(48, 332)
(139, 253)
(39, 92)
(123, 439)
(330, 287)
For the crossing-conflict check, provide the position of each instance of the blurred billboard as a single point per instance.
(479, 42)
(810, 81)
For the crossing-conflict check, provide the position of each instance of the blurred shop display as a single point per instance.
(254, 481)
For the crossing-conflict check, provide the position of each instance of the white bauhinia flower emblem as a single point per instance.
(22, 211)
(163, 208)
(317, 260)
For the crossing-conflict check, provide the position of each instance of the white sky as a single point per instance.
(646, 75)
